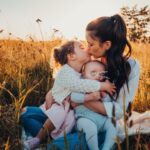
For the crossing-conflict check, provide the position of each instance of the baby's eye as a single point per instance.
(93, 73)
(103, 73)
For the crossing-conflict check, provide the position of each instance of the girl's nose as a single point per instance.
(88, 51)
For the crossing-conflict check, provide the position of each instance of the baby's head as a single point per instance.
(94, 70)
(71, 51)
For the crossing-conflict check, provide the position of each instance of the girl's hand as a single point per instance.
(108, 87)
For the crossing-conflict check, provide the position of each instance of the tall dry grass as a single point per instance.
(141, 52)
(26, 76)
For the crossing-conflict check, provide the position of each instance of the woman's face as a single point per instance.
(95, 48)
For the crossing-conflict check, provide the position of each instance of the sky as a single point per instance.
(70, 17)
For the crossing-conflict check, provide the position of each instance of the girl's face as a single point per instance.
(95, 48)
(81, 53)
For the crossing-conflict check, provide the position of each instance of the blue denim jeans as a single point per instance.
(32, 120)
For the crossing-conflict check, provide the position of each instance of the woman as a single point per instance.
(107, 39)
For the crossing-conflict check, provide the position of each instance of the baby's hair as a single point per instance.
(95, 61)
(60, 53)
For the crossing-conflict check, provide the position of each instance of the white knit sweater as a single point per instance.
(68, 80)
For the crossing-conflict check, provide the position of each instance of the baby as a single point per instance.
(93, 70)
(86, 118)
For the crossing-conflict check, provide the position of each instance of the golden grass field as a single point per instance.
(26, 76)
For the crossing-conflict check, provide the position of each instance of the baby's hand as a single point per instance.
(108, 87)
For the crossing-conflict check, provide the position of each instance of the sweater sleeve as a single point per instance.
(125, 96)
(68, 79)
(77, 97)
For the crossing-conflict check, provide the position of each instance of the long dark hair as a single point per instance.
(114, 29)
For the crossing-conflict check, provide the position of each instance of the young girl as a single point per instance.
(71, 56)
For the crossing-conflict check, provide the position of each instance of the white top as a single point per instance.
(68, 80)
(124, 94)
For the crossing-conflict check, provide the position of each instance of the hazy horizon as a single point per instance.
(68, 16)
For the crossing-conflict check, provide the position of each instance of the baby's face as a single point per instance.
(94, 71)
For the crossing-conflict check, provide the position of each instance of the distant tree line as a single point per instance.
(138, 23)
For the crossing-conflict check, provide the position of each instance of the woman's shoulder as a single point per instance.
(134, 63)
(135, 66)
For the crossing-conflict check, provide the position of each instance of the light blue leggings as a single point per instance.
(91, 133)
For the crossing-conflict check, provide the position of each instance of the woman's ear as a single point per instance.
(71, 57)
(107, 45)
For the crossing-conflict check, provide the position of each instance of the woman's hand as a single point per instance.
(49, 100)
(103, 94)
(94, 96)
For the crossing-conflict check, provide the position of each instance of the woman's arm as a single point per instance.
(79, 98)
(96, 106)
(48, 100)
(90, 100)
